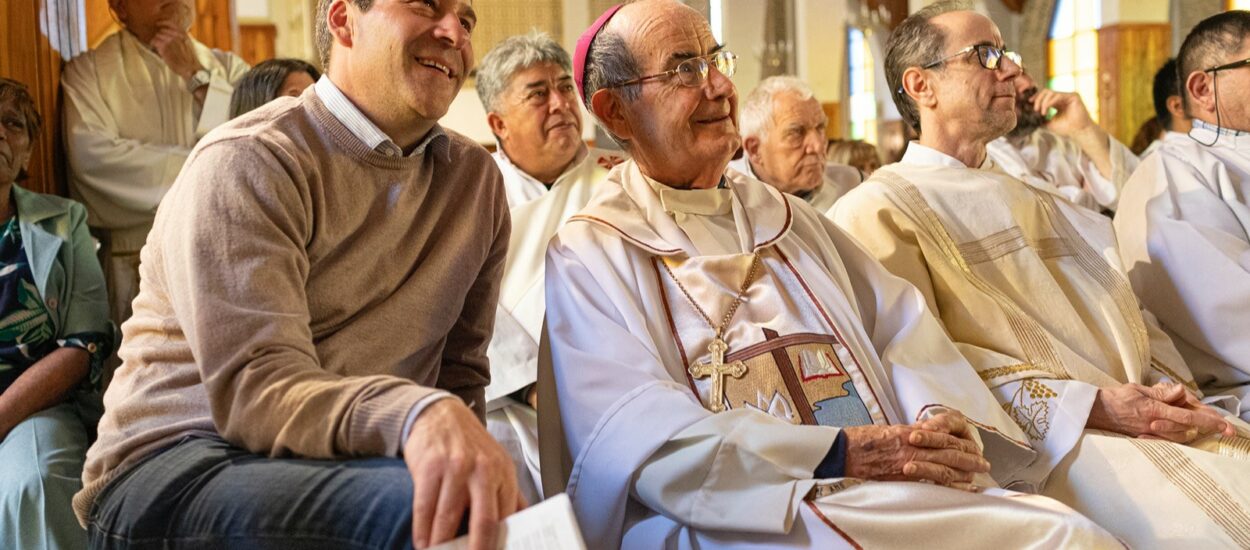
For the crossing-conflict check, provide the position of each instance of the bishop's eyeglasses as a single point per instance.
(693, 72)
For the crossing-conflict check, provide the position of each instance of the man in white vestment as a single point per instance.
(134, 108)
(1184, 221)
(784, 143)
(732, 370)
(1070, 152)
(549, 174)
(1029, 287)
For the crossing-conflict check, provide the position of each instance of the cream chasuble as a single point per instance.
(536, 214)
(825, 338)
(1049, 161)
(1184, 234)
(130, 123)
(1030, 288)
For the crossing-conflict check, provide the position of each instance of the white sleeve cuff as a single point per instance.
(416, 411)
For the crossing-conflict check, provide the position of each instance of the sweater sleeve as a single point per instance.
(231, 251)
(466, 368)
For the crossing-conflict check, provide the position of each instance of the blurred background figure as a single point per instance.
(270, 80)
(1147, 136)
(1169, 108)
(135, 105)
(54, 337)
(857, 153)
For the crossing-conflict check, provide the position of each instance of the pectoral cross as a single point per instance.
(716, 368)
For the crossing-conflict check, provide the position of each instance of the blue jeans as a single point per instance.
(206, 493)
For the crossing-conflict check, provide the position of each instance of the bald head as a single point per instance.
(678, 118)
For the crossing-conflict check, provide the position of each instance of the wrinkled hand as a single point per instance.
(456, 465)
(1162, 411)
(939, 449)
(174, 46)
(1072, 117)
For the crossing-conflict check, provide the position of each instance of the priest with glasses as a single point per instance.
(731, 369)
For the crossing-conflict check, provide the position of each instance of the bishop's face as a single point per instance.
(680, 134)
(979, 102)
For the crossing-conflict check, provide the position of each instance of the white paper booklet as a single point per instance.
(548, 525)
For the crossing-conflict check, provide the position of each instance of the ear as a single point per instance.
(752, 147)
(497, 125)
(1199, 87)
(610, 111)
(339, 24)
(916, 85)
(1176, 106)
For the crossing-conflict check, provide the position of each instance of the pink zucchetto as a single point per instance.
(583, 47)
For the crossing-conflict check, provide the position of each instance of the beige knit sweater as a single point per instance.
(301, 292)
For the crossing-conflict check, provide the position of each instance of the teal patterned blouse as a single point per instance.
(27, 332)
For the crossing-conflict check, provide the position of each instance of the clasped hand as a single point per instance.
(1162, 411)
(939, 450)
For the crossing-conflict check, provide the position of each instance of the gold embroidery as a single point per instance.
(1196, 484)
(1033, 339)
(1115, 283)
(824, 489)
(1010, 240)
(1231, 447)
(1031, 414)
(999, 372)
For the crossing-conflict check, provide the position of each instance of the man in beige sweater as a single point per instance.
(306, 362)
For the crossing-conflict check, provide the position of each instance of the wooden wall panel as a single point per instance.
(35, 39)
(258, 42)
(833, 110)
(214, 24)
(1128, 57)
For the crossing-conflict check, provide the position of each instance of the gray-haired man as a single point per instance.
(549, 175)
(783, 138)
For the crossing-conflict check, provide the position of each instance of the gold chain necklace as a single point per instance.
(715, 366)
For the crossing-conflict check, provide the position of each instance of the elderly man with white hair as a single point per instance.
(733, 371)
(548, 174)
(1029, 287)
(784, 143)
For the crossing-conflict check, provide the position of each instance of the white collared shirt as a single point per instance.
(360, 126)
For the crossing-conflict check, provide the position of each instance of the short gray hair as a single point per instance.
(514, 54)
(608, 63)
(756, 114)
(914, 43)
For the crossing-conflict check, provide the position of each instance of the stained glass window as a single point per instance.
(862, 84)
(1073, 50)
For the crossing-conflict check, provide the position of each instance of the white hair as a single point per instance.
(512, 55)
(756, 114)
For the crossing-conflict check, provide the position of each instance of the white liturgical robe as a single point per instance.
(1050, 161)
(1030, 288)
(537, 212)
(130, 123)
(824, 338)
(839, 178)
(1184, 233)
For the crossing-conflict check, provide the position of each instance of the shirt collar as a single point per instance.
(365, 130)
(918, 154)
(582, 153)
(1229, 132)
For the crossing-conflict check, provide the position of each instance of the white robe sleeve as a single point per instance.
(1187, 250)
(134, 174)
(216, 109)
(1106, 188)
(633, 429)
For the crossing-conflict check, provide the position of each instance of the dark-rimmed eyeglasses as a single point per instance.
(693, 72)
(989, 56)
(1227, 66)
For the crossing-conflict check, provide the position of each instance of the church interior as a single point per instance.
(984, 324)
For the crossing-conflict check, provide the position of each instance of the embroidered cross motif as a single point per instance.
(716, 368)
